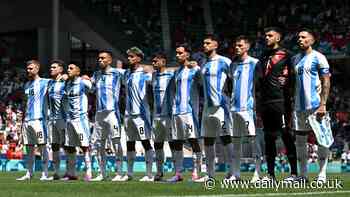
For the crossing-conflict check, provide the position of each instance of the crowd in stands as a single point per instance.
(140, 20)
(329, 19)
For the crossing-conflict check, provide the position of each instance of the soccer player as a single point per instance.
(34, 125)
(216, 118)
(56, 123)
(274, 82)
(78, 129)
(242, 99)
(137, 116)
(107, 83)
(312, 84)
(185, 113)
(163, 84)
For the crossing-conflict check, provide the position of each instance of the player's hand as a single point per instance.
(321, 111)
(85, 77)
(282, 80)
(64, 77)
(193, 64)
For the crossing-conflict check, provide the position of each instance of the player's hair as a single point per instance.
(275, 29)
(242, 37)
(137, 51)
(59, 62)
(160, 55)
(35, 62)
(185, 46)
(106, 51)
(308, 30)
(212, 37)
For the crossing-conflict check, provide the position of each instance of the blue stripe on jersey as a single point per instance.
(115, 96)
(214, 75)
(157, 96)
(301, 83)
(207, 87)
(243, 83)
(237, 90)
(218, 83)
(36, 92)
(179, 94)
(103, 92)
(250, 102)
(189, 92)
(314, 95)
(136, 92)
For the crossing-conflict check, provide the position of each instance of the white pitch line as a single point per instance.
(271, 194)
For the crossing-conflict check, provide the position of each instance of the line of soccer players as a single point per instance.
(57, 109)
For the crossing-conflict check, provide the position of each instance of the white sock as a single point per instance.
(45, 159)
(56, 161)
(149, 162)
(87, 157)
(131, 158)
(31, 159)
(71, 157)
(173, 158)
(118, 151)
(179, 158)
(257, 171)
(323, 153)
(302, 154)
(210, 159)
(159, 160)
(101, 157)
(228, 151)
(237, 157)
(197, 163)
(255, 152)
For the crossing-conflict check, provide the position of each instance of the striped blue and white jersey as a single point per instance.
(186, 90)
(56, 92)
(36, 99)
(75, 97)
(242, 73)
(163, 86)
(107, 88)
(136, 87)
(214, 74)
(308, 68)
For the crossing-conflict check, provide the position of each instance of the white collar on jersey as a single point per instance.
(217, 56)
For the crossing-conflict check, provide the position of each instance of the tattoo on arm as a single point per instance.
(326, 85)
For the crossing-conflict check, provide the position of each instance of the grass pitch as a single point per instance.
(9, 187)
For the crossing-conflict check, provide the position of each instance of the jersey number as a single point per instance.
(300, 70)
(189, 128)
(141, 130)
(247, 124)
(81, 137)
(39, 135)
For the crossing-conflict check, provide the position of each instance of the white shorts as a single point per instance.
(137, 128)
(216, 121)
(162, 129)
(78, 132)
(106, 125)
(56, 129)
(34, 132)
(243, 123)
(300, 120)
(185, 126)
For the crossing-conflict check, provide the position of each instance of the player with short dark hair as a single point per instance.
(274, 84)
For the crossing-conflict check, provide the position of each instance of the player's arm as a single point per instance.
(323, 70)
(325, 88)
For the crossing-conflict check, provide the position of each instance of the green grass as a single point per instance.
(9, 187)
